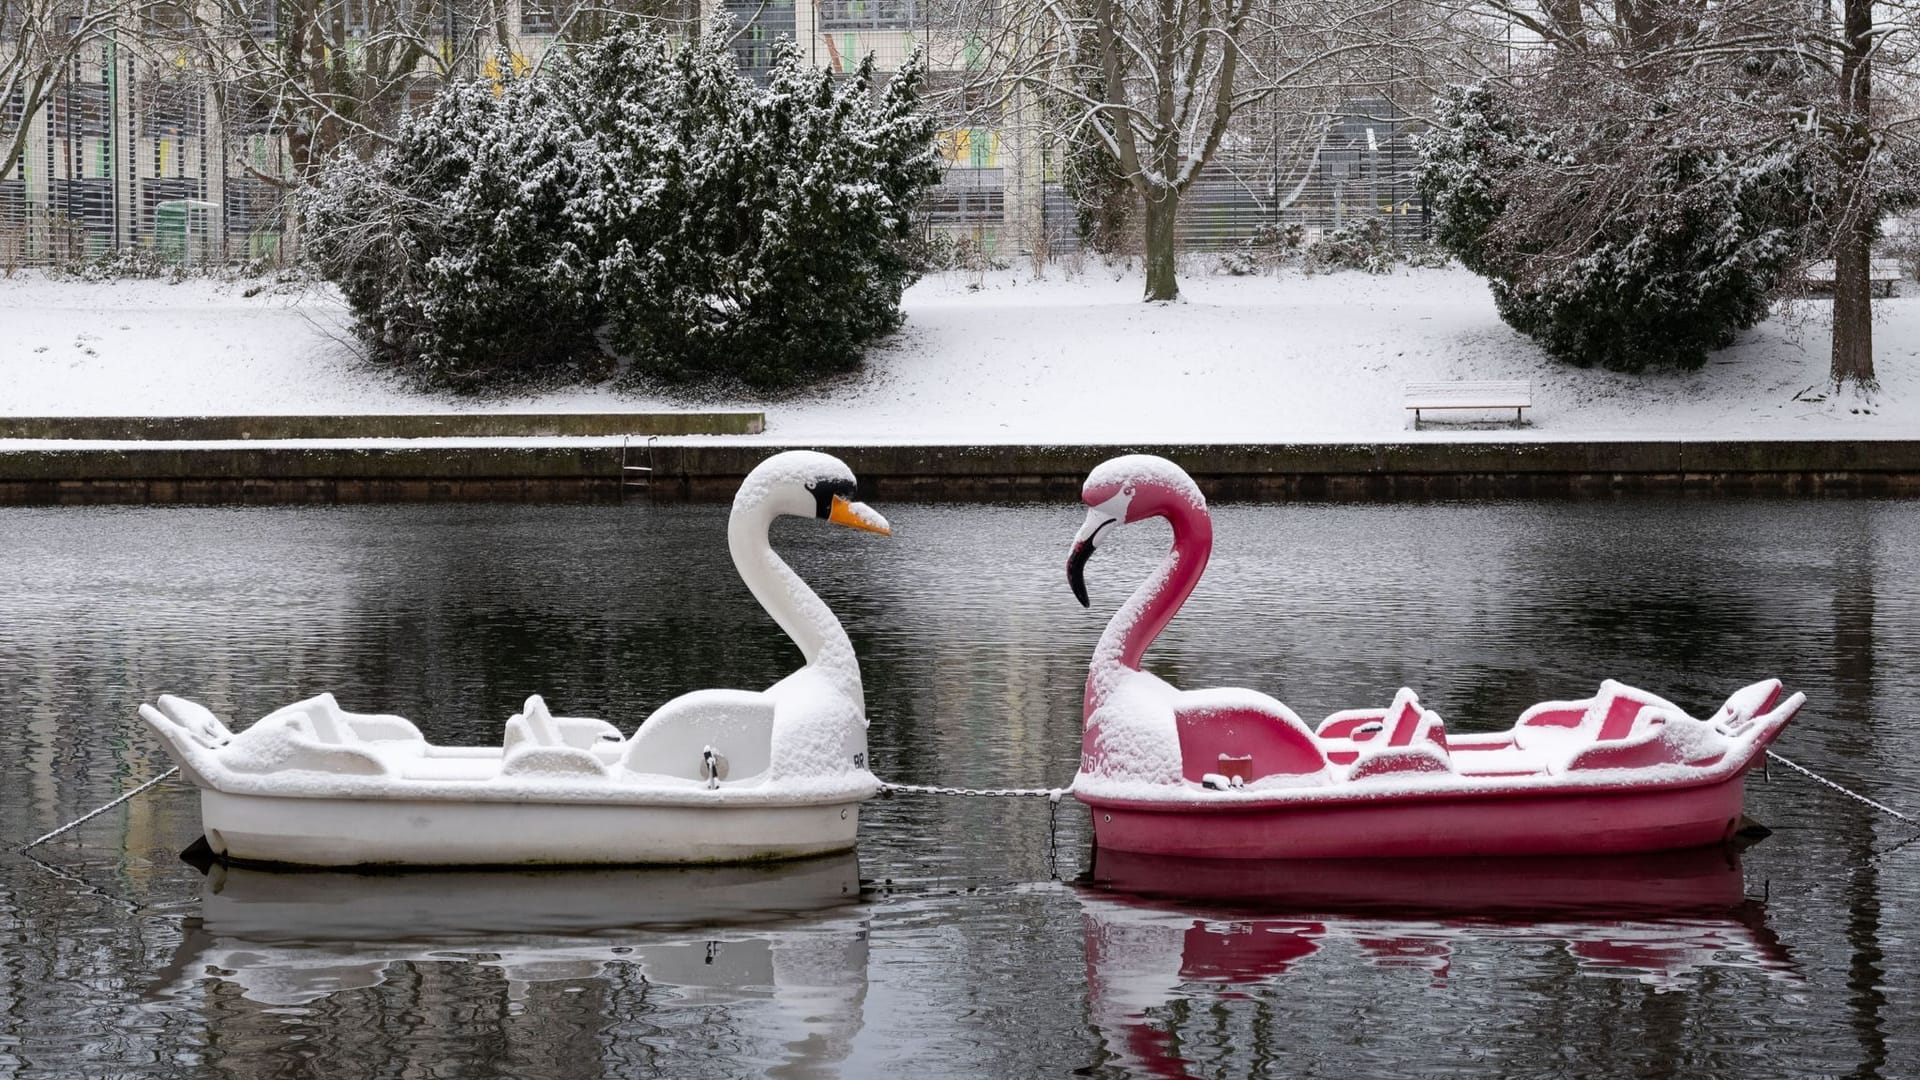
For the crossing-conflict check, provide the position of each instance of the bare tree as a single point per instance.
(326, 73)
(1874, 156)
(39, 42)
(1829, 51)
(1160, 86)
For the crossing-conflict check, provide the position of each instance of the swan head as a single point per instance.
(1122, 491)
(804, 483)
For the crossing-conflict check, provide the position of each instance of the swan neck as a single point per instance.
(801, 613)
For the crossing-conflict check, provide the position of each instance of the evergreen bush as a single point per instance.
(637, 202)
(1362, 245)
(1603, 235)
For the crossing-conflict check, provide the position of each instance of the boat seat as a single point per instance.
(673, 742)
(1677, 743)
(1346, 735)
(1420, 757)
(329, 723)
(1227, 724)
(538, 743)
(535, 725)
(1616, 713)
(1618, 728)
(314, 735)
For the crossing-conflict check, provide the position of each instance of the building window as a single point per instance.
(540, 16)
(869, 14)
(759, 24)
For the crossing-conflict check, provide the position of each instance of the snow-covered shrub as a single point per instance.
(1610, 228)
(1362, 245)
(635, 201)
(1238, 262)
(1269, 246)
(762, 234)
(127, 262)
(455, 247)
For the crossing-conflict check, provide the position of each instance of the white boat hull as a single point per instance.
(373, 832)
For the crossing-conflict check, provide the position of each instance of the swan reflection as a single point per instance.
(773, 955)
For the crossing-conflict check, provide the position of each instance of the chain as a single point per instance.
(1052, 794)
(84, 818)
(1811, 775)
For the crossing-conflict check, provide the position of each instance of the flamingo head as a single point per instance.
(803, 483)
(1122, 491)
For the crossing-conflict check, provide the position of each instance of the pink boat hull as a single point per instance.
(1231, 773)
(1550, 822)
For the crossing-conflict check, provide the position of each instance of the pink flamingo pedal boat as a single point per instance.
(1233, 773)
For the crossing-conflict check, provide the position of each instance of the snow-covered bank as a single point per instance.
(1002, 359)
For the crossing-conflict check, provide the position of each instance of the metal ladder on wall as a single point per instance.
(635, 477)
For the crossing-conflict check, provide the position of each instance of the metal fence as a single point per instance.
(130, 155)
(137, 152)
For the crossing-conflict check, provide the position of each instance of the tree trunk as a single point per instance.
(1853, 233)
(1853, 300)
(1161, 204)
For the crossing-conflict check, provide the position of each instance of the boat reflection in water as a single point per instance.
(779, 951)
(1160, 928)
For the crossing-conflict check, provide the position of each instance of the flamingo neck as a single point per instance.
(796, 607)
(1153, 605)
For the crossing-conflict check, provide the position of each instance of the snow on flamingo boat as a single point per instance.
(1233, 773)
(711, 776)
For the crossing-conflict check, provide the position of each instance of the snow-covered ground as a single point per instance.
(1003, 358)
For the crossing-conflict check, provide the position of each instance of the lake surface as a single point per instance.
(958, 942)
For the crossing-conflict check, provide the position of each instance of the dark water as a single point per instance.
(955, 945)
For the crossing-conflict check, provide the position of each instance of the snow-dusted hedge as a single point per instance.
(636, 202)
(1610, 234)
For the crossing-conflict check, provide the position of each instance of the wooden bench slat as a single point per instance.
(1507, 394)
(1877, 270)
(1882, 275)
(1515, 394)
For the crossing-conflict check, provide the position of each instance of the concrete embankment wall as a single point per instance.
(381, 426)
(711, 471)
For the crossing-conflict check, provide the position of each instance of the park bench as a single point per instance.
(1882, 275)
(1515, 394)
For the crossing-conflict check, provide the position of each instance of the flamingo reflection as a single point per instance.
(1161, 929)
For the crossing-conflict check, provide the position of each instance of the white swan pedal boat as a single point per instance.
(712, 776)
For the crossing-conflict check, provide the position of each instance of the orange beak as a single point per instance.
(857, 515)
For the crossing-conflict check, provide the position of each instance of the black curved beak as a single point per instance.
(1076, 571)
(1082, 551)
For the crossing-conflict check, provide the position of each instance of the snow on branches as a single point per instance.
(637, 201)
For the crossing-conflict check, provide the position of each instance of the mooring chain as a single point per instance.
(1054, 794)
(1842, 789)
(90, 815)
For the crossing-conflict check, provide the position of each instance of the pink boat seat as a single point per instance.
(1345, 736)
(1616, 713)
(1278, 743)
(1618, 728)
(1421, 757)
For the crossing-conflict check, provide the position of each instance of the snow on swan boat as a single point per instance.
(711, 776)
(1232, 773)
